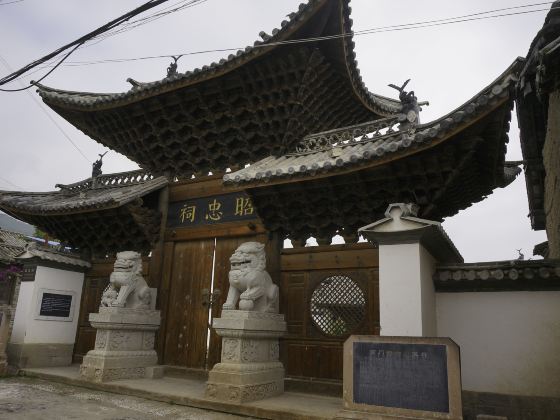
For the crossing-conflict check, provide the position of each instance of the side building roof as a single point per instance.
(11, 245)
(105, 215)
(539, 77)
(257, 102)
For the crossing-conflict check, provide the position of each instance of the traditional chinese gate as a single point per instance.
(204, 227)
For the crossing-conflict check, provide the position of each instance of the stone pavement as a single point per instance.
(189, 391)
(31, 398)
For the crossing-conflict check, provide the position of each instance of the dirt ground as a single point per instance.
(30, 399)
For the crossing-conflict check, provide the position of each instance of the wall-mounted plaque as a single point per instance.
(412, 377)
(55, 305)
(211, 210)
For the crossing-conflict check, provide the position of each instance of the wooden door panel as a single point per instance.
(187, 318)
(91, 298)
(307, 351)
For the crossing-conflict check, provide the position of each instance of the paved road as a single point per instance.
(30, 399)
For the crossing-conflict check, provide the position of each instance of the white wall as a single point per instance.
(27, 329)
(427, 269)
(510, 341)
(22, 310)
(406, 291)
(399, 290)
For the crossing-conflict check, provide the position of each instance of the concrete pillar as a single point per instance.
(409, 249)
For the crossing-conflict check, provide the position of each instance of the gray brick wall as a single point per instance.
(11, 308)
(551, 161)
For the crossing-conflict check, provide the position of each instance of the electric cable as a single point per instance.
(11, 2)
(391, 28)
(115, 22)
(11, 183)
(49, 116)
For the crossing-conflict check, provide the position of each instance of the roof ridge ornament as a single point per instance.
(172, 68)
(96, 166)
(404, 122)
(409, 117)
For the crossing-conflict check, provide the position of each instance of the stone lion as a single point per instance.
(249, 283)
(127, 288)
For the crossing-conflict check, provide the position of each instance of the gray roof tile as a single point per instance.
(45, 254)
(88, 100)
(111, 191)
(344, 154)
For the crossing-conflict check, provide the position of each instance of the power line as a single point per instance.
(381, 29)
(43, 77)
(148, 19)
(9, 68)
(126, 27)
(10, 182)
(112, 24)
(11, 2)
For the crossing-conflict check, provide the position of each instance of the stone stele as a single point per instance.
(401, 372)
(126, 325)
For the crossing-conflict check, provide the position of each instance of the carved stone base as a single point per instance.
(249, 368)
(124, 344)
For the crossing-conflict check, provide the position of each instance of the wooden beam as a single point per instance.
(199, 187)
(362, 255)
(214, 231)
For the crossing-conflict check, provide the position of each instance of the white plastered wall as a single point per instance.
(27, 329)
(406, 291)
(510, 341)
(427, 268)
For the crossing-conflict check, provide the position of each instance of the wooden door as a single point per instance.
(91, 297)
(186, 328)
(327, 293)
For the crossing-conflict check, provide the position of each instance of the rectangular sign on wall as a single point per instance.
(55, 305)
(211, 210)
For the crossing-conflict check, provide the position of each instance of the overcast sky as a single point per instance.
(447, 64)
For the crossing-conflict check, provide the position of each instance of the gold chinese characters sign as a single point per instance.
(211, 210)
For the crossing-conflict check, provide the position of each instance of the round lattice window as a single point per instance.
(338, 306)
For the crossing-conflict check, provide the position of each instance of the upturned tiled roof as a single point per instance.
(498, 276)
(103, 215)
(336, 181)
(50, 255)
(365, 149)
(540, 76)
(140, 90)
(11, 245)
(257, 102)
(114, 190)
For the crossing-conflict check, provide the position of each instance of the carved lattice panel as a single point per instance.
(337, 306)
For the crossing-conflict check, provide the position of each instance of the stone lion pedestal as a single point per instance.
(124, 344)
(249, 368)
(126, 326)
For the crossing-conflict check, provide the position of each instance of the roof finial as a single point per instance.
(410, 110)
(96, 166)
(172, 69)
(521, 256)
